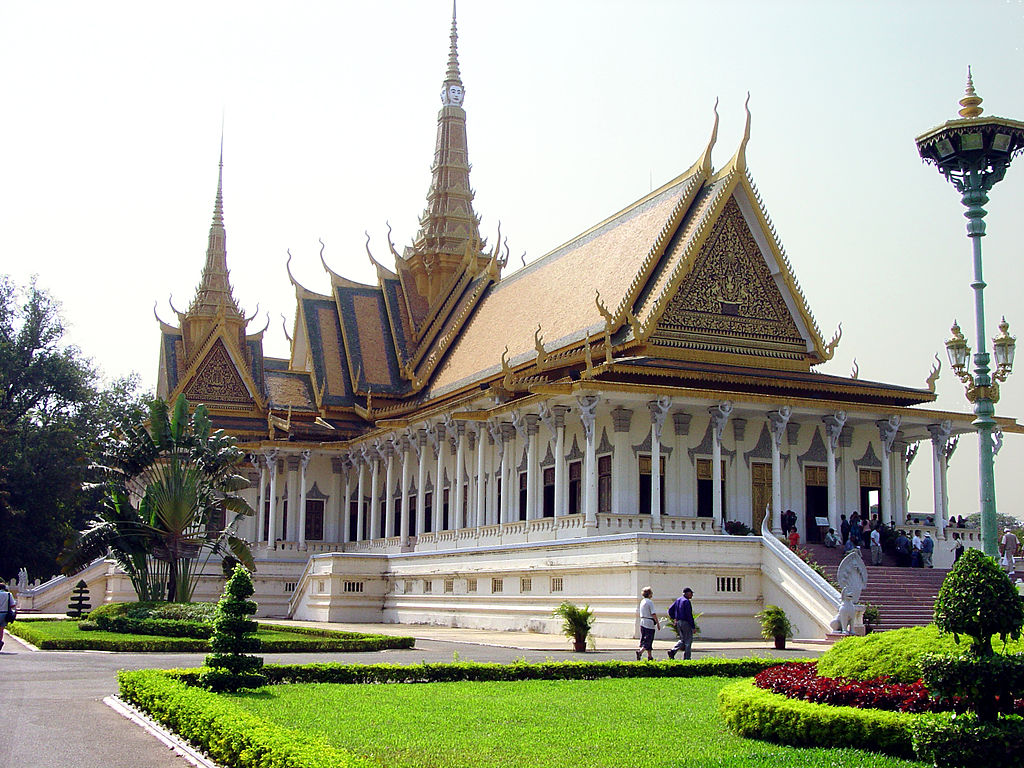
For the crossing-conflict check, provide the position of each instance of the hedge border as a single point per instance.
(351, 642)
(753, 712)
(223, 730)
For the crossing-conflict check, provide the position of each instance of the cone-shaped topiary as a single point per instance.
(977, 599)
(79, 600)
(230, 666)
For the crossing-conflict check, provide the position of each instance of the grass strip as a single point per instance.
(604, 723)
(60, 635)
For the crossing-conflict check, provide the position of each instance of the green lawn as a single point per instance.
(66, 635)
(631, 723)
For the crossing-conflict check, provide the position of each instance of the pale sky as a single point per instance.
(112, 112)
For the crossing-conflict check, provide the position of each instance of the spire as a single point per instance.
(971, 102)
(448, 226)
(214, 292)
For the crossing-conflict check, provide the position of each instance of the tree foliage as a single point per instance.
(54, 415)
(231, 665)
(165, 482)
(977, 599)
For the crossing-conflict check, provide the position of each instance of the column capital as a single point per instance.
(588, 413)
(558, 412)
(532, 423)
(940, 432)
(719, 416)
(293, 462)
(304, 458)
(833, 428)
(271, 457)
(622, 419)
(339, 464)
(739, 429)
(253, 476)
(887, 430)
(508, 431)
(421, 437)
(681, 423)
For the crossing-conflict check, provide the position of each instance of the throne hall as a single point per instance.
(463, 444)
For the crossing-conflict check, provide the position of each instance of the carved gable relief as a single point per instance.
(729, 293)
(217, 380)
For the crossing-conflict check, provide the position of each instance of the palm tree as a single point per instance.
(163, 486)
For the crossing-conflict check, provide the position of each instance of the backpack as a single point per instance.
(11, 614)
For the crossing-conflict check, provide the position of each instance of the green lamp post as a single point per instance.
(973, 153)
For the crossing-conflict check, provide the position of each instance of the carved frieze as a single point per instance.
(217, 380)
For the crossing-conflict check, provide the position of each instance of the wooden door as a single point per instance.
(760, 492)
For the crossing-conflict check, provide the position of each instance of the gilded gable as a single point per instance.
(217, 381)
(730, 300)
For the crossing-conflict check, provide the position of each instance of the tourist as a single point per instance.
(915, 550)
(788, 519)
(958, 547)
(7, 603)
(648, 623)
(927, 547)
(831, 540)
(960, 522)
(794, 538)
(1009, 545)
(876, 546)
(681, 612)
(844, 528)
(902, 549)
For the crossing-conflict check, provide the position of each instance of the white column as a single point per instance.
(405, 445)
(272, 458)
(833, 428)
(260, 533)
(940, 435)
(291, 534)
(561, 486)
(621, 420)
(777, 421)
(390, 450)
(361, 462)
(686, 478)
(472, 479)
(887, 429)
(588, 416)
(247, 527)
(421, 482)
(437, 439)
(532, 466)
(375, 457)
(947, 454)
(659, 410)
(341, 497)
(481, 475)
(458, 474)
(719, 416)
(507, 431)
(301, 523)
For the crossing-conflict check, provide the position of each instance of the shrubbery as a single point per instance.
(232, 666)
(895, 654)
(962, 741)
(801, 681)
(756, 713)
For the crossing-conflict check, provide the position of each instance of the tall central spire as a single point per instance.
(448, 226)
(214, 292)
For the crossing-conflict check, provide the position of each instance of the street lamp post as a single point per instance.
(974, 153)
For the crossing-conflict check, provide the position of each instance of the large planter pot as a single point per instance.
(780, 642)
(580, 646)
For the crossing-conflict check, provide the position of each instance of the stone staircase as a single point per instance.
(905, 597)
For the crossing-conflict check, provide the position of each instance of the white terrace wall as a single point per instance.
(516, 587)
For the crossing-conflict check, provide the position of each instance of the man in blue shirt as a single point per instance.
(681, 612)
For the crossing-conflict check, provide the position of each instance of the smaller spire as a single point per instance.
(971, 102)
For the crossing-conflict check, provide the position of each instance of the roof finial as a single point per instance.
(218, 205)
(452, 75)
(705, 159)
(971, 102)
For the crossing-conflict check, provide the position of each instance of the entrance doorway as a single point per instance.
(815, 500)
(645, 485)
(705, 489)
(870, 493)
(760, 492)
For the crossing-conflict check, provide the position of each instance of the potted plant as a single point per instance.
(576, 624)
(775, 625)
(872, 617)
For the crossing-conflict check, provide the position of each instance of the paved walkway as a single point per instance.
(54, 715)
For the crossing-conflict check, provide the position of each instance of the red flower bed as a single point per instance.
(801, 681)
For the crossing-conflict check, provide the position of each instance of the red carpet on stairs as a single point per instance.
(905, 597)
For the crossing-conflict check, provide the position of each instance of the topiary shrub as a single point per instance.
(978, 599)
(230, 666)
(79, 600)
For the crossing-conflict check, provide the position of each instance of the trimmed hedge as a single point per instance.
(962, 741)
(752, 712)
(484, 672)
(160, 627)
(319, 641)
(226, 732)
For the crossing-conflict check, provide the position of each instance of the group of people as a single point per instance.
(1009, 546)
(915, 552)
(681, 613)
